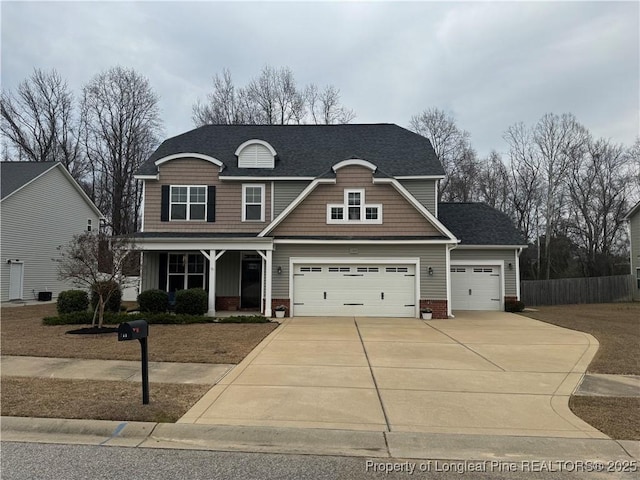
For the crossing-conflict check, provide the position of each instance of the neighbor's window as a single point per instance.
(188, 203)
(357, 210)
(638, 277)
(89, 225)
(253, 203)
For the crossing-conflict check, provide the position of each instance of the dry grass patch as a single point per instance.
(615, 325)
(99, 400)
(618, 417)
(22, 333)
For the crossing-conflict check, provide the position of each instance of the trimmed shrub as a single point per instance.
(153, 301)
(513, 306)
(114, 302)
(72, 301)
(192, 301)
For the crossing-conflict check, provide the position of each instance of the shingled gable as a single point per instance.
(479, 224)
(306, 150)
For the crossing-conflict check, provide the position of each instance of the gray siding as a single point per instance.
(285, 192)
(424, 191)
(634, 227)
(35, 221)
(508, 256)
(228, 275)
(432, 288)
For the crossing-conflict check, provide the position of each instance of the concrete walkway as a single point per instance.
(603, 385)
(74, 368)
(483, 373)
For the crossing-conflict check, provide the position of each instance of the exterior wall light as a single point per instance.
(279, 270)
(430, 271)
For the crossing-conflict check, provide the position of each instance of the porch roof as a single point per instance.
(200, 241)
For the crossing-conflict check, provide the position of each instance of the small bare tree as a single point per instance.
(96, 262)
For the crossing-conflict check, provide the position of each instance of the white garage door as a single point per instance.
(475, 287)
(354, 290)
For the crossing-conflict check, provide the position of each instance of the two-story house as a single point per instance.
(329, 220)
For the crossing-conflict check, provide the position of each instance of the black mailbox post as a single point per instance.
(138, 330)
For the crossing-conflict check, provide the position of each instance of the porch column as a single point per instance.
(268, 278)
(212, 284)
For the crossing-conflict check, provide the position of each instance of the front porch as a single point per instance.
(235, 272)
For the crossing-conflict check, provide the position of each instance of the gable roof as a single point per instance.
(635, 209)
(15, 175)
(307, 150)
(479, 224)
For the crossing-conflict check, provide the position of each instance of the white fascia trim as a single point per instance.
(251, 179)
(491, 247)
(420, 177)
(254, 141)
(632, 212)
(418, 206)
(359, 261)
(80, 190)
(313, 241)
(354, 162)
(204, 244)
(147, 177)
(73, 182)
(32, 180)
(199, 156)
(144, 184)
(491, 263)
(295, 203)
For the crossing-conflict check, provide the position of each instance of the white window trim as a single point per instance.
(188, 203)
(363, 210)
(262, 201)
(186, 274)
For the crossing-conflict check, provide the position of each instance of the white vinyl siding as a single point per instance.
(35, 221)
(255, 156)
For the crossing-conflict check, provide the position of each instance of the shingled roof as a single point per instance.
(479, 224)
(308, 150)
(15, 175)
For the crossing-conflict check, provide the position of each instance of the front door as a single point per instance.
(250, 294)
(16, 280)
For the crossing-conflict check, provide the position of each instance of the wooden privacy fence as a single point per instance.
(577, 290)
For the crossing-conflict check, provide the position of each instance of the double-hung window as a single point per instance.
(354, 209)
(253, 206)
(188, 203)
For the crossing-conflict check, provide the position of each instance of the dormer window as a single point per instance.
(354, 209)
(256, 154)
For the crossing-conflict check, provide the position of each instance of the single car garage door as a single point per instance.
(475, 287)
(354, 290)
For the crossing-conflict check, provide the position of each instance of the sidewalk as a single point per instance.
(75, 368)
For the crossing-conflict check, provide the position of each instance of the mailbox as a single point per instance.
(134, 330)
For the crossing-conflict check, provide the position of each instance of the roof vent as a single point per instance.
(256, 154)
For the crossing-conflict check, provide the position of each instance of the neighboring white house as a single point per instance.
(41, 208)
(633, 219)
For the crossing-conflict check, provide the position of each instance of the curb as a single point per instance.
(405, 445)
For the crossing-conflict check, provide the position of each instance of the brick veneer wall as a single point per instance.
(439, 307)
(280, 301)
(227, 303)
(510, 299)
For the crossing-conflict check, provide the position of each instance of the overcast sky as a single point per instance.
(488, 64)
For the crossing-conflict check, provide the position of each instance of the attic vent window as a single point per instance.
(256, 154)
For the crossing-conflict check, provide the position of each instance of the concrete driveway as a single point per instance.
(480, 373)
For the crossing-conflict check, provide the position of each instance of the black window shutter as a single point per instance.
(211, 203)
(164, 209)
(162, 272)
